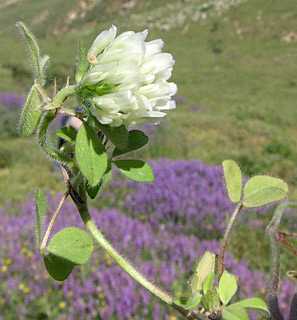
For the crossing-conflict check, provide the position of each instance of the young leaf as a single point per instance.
(67, 133)
(255, 304)
(234, 313)
(72, 244)
(94, 191)
(136, 170)
(58, 268)
(136, 140)
(211, 301)
(233, 179)
(90, 154)
(40, 204)
(208, 282)
(262, 190)
(33, 49)
(188, 303)
(227, 287)
(30, 117)
(205, 266)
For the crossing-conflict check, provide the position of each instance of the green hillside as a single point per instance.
(235, 69)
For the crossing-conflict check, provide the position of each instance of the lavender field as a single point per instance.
(157, 226)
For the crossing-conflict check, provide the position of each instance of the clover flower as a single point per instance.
(127, 79)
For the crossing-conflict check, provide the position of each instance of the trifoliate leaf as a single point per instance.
(58, 268)
(234, 313)
(90, 154)
(67, 133)
(255, 304)
(227, 287)
(211, 301)
(262, 190)
(136, 140)
(30, 117)
(137, 170)
(72, 244)
(205, 266)
(40, 203)
(117, 135)
(233, 179)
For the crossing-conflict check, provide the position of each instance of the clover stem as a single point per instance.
(124, 264)
(226, 238)
(63, 94)
(53, 220)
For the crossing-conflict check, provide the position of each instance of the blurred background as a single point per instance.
(237, 78)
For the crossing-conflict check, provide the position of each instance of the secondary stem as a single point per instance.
(226, 238)
(124, 264)
(53, 220)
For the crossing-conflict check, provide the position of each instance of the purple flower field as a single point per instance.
(161, 236)
(11, 100)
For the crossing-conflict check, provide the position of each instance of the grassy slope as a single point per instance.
(235, 67)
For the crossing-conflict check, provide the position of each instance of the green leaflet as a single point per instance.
(136, 140)
(90, 154)
(30, 117)
(233, 179)
(262, 190)
(58, 268)
(234, 313)
(227, 287)
(255, 304)
(33, 50)
(67, 133)
(136, 170)
(72, 244)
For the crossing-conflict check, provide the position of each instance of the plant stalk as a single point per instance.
(53, 220)
(126, 266)
(226, 238)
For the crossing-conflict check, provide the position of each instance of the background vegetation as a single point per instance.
(235, 70)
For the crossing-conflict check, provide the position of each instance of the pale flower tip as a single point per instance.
(92, 59)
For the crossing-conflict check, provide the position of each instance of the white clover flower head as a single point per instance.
(127, 79)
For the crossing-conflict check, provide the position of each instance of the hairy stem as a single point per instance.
(226, 238)
(63, 94)
(47, 148)
(126, 266)
(272, 233)
(53, 220)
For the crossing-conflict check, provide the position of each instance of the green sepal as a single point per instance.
(67, 133)
(90, 154)
(30, 116)
(33, 50)
(262, 190)
(82, 63)
(40, 205)
(58, 268)
(227, 287)
(136, 140)
(205, 266)
(233, 178)
(94, 191)
(234, 313)
(72, 244)
(136, 170)
(187, 302)
(253, 304)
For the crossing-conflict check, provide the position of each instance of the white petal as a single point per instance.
(153, 47)
(102, 41)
